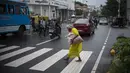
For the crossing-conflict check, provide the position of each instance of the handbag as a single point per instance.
(77, 40)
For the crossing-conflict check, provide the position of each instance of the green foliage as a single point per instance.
(121, 62)
(79, 12)
(111, 8)
(81, 4)
(94, 13)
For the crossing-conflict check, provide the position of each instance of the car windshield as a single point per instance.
(103, 18)
(82, 21)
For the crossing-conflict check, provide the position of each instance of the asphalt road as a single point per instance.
(28, 56)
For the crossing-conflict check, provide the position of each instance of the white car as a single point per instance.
(103, 21)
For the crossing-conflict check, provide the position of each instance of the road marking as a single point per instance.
(46, 41)
(45, 64)
(28, 58)
(8, 48)
(76, 67)
(8, 55)
(2, 45)
(100, 55)
(105, 43)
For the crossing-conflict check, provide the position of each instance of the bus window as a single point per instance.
(11, 9)
(2, 9)
(17, 9)
(24, 10)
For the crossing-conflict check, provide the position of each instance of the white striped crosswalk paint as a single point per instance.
(8, 48)
(72, 67)
(8, 55)
(76, 67)
(42, 66)
(27, 58)
(2, 45)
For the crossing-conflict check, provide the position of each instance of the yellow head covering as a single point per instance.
(75, 31)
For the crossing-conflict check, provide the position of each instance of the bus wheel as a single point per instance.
(21, 30)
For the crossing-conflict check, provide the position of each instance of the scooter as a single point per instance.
(54, 33)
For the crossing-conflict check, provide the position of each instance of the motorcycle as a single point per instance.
(55, 33)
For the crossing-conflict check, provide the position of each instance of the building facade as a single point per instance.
(43, 7)
(52, 8)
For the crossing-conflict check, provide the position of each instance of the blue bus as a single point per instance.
(14, 17)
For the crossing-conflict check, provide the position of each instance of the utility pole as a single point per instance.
(41, 8)
(119, 6)
(75, 7)
(49, 9)
(85, 9)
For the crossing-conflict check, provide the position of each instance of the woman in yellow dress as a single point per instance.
(74, 49)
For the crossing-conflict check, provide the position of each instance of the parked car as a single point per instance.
(84, 26)
(103, 21)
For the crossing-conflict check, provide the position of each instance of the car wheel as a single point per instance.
(90, 33)
(93, 31)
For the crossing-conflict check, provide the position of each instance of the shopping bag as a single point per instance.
(77, 40)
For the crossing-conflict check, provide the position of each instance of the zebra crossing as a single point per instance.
(43, 65)
(2, 45)
(8, 48)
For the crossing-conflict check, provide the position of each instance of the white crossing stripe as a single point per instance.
(8, 55)
(76, 67)
(45, 64)
(28, 58)
(2, 45)
(8, 48)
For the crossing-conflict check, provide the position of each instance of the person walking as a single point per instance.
(37, 22)
(42, 26)
(33, 23)
(74, 49)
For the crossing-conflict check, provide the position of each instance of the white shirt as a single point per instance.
(42, 22)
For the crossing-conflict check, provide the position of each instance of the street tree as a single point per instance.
(111, 8)
(79, 12)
